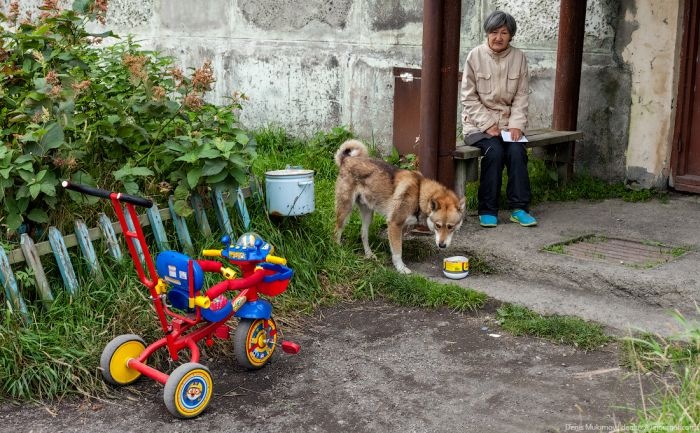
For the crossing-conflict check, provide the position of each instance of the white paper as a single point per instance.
(505, 134)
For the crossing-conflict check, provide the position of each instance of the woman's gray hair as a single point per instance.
(499, 19)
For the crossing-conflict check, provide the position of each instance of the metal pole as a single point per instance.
(430, 88)
(572, 20)
(449, 78)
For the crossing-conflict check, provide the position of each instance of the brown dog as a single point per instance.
(403, 197)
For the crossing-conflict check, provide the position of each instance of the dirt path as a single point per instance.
(373, 367)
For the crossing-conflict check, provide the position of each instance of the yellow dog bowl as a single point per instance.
(455, 267)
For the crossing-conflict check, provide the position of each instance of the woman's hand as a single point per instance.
(493, 131)
(515, 134)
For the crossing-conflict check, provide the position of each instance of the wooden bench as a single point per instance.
(555, 147)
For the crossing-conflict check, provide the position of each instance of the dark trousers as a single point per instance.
(497, 154)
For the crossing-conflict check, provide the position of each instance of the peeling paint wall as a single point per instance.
(314, 64)
(650, 52)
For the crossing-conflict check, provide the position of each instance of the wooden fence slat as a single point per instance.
(110, 236)
(14, 298)
(200, 215)
(60, 252)
(221, 212)
(154, 217)
(181, 228)
(81, 231)
(242, 209)
(134, 241)
(31, 256)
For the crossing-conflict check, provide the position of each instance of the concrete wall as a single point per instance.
(649, 48)
(315, 64)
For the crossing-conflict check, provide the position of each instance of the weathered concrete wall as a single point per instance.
(650, 50)
(316, 64)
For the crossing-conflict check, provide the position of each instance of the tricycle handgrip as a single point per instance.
(211, 253)
(276, 260)
(103, 193)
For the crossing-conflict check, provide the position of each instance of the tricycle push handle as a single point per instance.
(103, 193)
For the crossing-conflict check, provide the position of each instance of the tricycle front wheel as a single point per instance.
(188, 390)
(255, 342)
(115, 356)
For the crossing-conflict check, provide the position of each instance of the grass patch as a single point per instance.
(674, 364)
(418, 291)
(559, 329)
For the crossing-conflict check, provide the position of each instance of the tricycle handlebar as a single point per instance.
(103, 193)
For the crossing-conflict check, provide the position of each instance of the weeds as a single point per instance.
(560, 329)
(675, 366)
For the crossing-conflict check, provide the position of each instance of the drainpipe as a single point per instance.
(449, 78)
(430, 88)
(572, 20)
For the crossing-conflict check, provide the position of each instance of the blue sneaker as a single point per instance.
(523, 218)
(488, 220)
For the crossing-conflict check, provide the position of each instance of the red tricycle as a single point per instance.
(188, 313)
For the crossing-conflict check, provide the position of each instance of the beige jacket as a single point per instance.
(494, 90)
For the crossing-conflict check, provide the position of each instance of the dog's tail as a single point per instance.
(351, 148)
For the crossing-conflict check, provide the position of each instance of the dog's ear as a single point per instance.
(462, 205)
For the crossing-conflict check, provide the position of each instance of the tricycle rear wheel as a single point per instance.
(115, 356)
(254, 342)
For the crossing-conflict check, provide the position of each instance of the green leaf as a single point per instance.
(218, 177)
(48, 188)
(14, 220)
(142, 171)
(193, 176)
(213, 167)
(210, 153)
(34, 190)
(38, 215)
(81, 6)
(53, 138)
(190, 157)
(41, 30)
(182, 192)
(242, 138)
(183, 208)
(131, 187)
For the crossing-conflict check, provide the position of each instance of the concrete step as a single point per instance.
(610, 293)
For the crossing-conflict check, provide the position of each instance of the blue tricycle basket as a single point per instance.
(276, 279)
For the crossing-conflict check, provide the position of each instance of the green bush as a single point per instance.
(114, 116)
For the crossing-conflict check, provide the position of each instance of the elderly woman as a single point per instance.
(494, 99)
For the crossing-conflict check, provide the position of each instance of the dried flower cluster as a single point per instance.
(52, 78)
(193, 101)
(164, 187)
(178, 76)
(13, 12)
(69, 163)
(203, 77)
(136, 66)
(49, 9)
(99, 8)
(158, 93)
(80, 87)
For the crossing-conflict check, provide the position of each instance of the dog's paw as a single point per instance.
(370, 255)
(403, 270)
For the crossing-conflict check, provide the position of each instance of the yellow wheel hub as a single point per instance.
(117, 365)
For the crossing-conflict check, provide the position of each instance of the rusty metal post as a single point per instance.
(430, 88)
(572, 20)
(449, 78)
